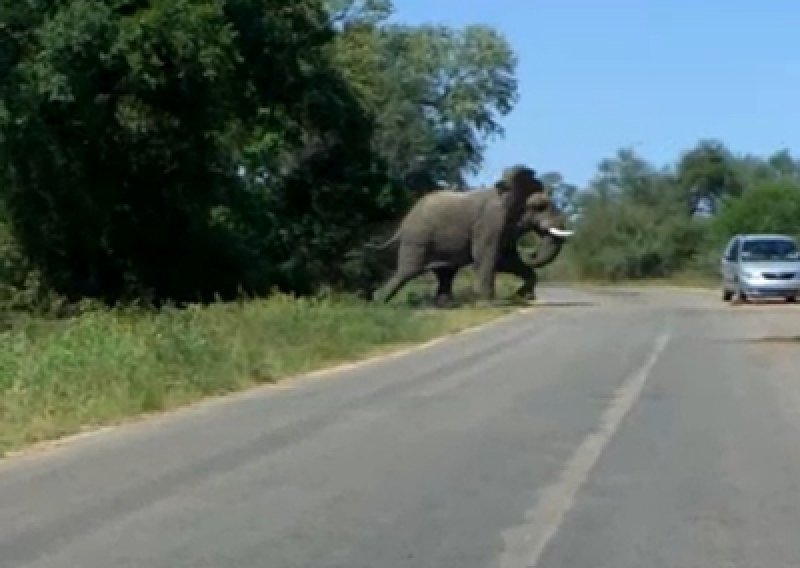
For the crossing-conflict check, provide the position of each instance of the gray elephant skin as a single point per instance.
(540, 217)
(447, 230)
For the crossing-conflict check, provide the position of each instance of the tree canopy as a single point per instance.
(185, 149)
(437, 93)
(635, 220)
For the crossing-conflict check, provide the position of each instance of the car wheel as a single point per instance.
(727, 295)
(740, 298)
(792, 299)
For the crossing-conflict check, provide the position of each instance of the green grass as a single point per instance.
(61, 377)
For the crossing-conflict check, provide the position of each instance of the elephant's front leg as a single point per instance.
(511, 263)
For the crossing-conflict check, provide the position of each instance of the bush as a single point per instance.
(627, 240)
(769, 207)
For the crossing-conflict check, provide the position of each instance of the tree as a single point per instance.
(194, 148)
(770, 207)
(436, 93)
(564, 194)
(450, 87)
(349, 14)
(755, 170)
(707, 174)
(784, 165)
(183, 148)
(634, 223)
(626, 175)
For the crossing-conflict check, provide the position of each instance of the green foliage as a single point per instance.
(707, 174)
(769, 207)
(127, 124)
(458, 84)
(564, 194)
(352, 13)
(624, 240)
(779, 166)
(108, 365)
(437, 93)
(187, 149)
(636, 221)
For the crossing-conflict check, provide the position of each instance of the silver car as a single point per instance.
(761, 266)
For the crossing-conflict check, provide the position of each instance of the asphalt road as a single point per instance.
(604, 429)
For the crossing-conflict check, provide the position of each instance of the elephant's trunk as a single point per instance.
(549, 248)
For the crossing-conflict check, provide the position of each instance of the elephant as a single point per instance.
(541, 217)
(446, 230)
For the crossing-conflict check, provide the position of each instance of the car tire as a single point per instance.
(791, 299)
(727, 295)
(739, 298)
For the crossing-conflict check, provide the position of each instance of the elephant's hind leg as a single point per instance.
(410, 264)
(444, 289)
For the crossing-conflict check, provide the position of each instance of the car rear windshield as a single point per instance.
(770, 249)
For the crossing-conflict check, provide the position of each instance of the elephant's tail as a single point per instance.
(386, 244)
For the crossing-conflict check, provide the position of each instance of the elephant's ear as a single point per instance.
(522, 178)
(538, 201)
(502, 186)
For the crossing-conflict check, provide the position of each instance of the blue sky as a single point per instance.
(655, 75)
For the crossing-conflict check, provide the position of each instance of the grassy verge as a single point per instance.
(59, 378)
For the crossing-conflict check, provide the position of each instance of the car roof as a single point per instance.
(765, 236)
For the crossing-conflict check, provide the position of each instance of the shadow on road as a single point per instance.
(768, 339)
(762, 302)
(792, 339)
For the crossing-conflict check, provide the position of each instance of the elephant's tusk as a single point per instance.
(560, 232)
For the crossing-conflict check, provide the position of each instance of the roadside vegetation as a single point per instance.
(185, 187)
(107, 365)
(640, 222)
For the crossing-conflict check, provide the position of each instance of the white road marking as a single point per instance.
(525, 544)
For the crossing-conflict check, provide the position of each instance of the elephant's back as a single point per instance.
(446, 204)
(443, 222)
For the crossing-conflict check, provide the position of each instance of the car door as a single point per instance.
(729, 260)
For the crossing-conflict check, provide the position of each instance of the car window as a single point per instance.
(770, 249)
(733, 251)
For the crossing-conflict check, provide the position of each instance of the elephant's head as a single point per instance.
(543, 217)
(517, 185)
